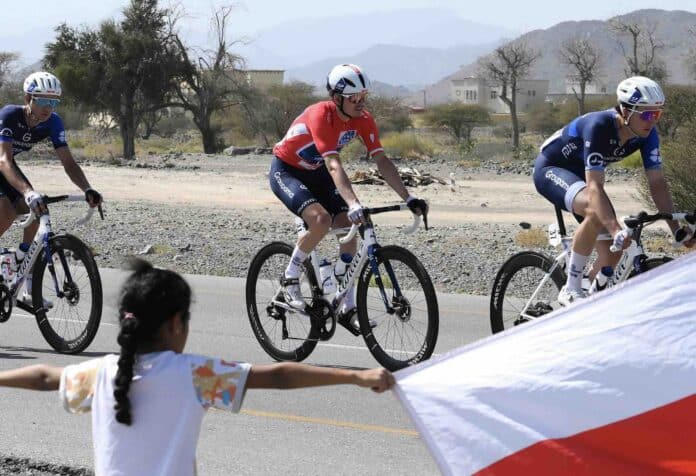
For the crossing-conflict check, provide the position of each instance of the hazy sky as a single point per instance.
(32, 28)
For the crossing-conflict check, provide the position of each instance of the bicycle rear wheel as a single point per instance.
(406, 332)
(284, 334)
(72, 321)
(513, 299)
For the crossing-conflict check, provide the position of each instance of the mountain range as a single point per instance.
(671, 27)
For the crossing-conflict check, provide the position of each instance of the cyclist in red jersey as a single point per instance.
(308, 177)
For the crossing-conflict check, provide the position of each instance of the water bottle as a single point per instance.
(602, 278)
(342, 265)
(328, 283)
(8, 265)
(20, 252)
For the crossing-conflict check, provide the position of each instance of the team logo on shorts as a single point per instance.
(26, 137)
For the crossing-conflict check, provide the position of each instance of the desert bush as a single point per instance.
(679, 165)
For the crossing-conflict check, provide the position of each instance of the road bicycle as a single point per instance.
(66, 293)
(527, 285)
(394, 291)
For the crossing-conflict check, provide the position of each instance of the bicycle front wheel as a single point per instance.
(522, 291)
(70, 305)
(406, 315)
(284, 334)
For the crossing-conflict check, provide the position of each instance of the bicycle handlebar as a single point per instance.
(391, 208)
(643, 218)
(30, 217)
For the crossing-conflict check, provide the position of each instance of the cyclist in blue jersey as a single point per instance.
(22, 126)
(569, 172)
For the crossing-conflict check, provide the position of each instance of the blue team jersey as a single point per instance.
(593, 140)
(14, 129)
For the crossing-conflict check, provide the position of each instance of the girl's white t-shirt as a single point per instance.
(169, 395)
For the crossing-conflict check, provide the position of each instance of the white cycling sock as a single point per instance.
(295, 266)
(576, 266)
(349, 299)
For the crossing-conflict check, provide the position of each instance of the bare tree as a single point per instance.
(509, 64)
(639, 45)
(7, 58)
(691, 55)
(584, 58)
(208, 80)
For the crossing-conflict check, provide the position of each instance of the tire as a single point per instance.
(71, 324)
(514, 285)
(262, 286)
(651, 263)
(406, 337)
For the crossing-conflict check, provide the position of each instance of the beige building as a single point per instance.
(263, 78)
(480, 92)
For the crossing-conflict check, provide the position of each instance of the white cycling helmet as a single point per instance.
(42, 82)
(347, 79)
(640, 91)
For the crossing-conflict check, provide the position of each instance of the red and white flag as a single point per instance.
(604, 387)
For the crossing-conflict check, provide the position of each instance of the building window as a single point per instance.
(494, 95)
(534, 93)
(475, 95)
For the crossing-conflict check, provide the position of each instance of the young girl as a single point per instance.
(148, 402)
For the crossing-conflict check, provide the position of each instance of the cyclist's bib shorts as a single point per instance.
(559, 185)
(298, 188)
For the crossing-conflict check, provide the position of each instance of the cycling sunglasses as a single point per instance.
(650, 115)
(356, 98)
(45, 102)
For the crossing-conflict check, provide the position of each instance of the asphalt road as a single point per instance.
(334, 430)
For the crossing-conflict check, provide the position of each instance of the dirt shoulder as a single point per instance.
(240, 183)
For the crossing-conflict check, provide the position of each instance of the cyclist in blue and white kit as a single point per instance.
(22, 126)
(569, 172)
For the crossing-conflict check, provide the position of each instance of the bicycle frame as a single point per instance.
(364, 253)
(42, 240)
(631, 257)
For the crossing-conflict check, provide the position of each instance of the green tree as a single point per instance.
(284, 103)
(9, 90)
(122, 69)
(458, 119)
(390, 113)
(680, 110)
(544, 119)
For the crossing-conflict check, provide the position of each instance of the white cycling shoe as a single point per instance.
(292, 293)
(28, 301)
(567, 296)
(348, 318)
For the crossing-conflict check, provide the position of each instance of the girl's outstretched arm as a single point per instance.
(289, 375)
(34, 377)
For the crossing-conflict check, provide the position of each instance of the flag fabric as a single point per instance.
(604, 387)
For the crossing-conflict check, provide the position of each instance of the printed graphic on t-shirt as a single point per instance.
(216, 383)
(78, 385)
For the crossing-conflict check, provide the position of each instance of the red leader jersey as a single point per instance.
(319, 131)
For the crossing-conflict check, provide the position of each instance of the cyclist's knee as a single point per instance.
(319, 222)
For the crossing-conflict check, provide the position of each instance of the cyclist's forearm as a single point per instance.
(35, 377)
(391, 176)
(341, 180)
(663, 200)
(72, 168)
